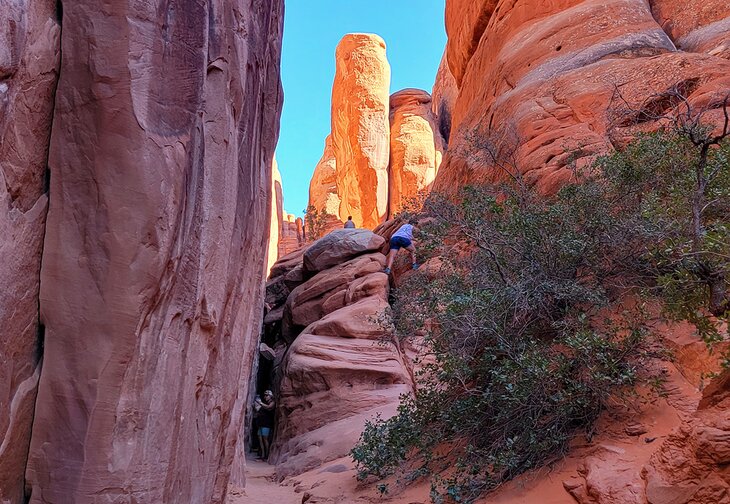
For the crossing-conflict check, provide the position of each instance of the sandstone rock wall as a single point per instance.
(342, 366)
(323, 195)
(369, 168)
(543, 75)
(444, 94)
(276, 216)
(416, 148)
(292, 234)
(165, 123)
(361, 128)
(696, 25)
(29, 59)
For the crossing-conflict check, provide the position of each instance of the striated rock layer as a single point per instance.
(165, 124)
(541, 78)
(416, 147)
(29, 59)
(361, 128)
(695, 25)
(343, 365)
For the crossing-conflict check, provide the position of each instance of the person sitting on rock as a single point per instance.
(349, 224)
(403, 238)
(265, 421)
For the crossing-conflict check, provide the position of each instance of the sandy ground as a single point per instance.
(261, 487)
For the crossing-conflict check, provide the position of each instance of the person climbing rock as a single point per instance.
(265, 421)
(349, 224)
(403, 238)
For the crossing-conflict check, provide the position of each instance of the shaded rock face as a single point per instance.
(342, 366)
(323, 195)
(29, 60)
(416, 147)
(360, 128)
(541, 77)
(286, 232)
(444, 93)
(339, 246)
(292, 234)
(165, 124)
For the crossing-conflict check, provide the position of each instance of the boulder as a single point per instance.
(287, 263)
(29, 63)
(416, 148)
(339, 246)
(343, 370)
(361, 128)
(327, 291)
(164, 130)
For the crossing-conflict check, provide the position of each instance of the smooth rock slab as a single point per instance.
(339, 246)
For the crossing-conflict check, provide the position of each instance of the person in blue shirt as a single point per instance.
(349, 224)
(403, 238)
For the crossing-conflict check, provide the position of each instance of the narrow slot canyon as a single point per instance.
(478, 254)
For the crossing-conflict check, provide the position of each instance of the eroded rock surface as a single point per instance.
(542, 77)
(695, 25)
(416, 147)
(339, 246)
(323, 195)
(342, 366)
(165, 124)
(29, 60)
(444, 94)
(361, 129)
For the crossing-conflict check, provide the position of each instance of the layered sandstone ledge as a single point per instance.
(544, 77)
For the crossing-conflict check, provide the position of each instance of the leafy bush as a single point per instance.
(521, 355)
(315, 221)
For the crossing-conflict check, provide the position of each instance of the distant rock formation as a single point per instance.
(165, 122)
(323, 195)
(29, 60)
(286, 231)
(543, 76)
(361, 128)
(383, 149)
(416, 147)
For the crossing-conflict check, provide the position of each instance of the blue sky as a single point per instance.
(414, 33)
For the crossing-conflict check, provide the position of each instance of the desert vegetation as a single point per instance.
(527, 324)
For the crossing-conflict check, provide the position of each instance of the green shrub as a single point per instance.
(521, 356)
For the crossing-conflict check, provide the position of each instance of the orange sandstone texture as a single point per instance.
(342, 366)
(292, 234)
(276, 216)
(544, 74)
(361, 128)
(164, 130)
(29, 60)
(695, 25)
(416, 147)
(444, 94)
(323, 195)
